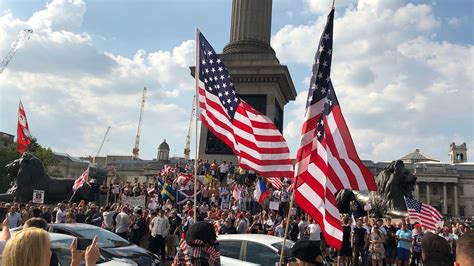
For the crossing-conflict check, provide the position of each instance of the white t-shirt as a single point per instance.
(314, 232)
(14, 219)
(223, 168)
(121, 223)
(108, 219)
(60, 216)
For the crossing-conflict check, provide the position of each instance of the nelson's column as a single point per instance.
(256, 72)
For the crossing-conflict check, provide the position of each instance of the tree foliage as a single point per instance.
(9, 154)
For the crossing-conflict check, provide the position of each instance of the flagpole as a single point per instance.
(288, 219)
(196, 78)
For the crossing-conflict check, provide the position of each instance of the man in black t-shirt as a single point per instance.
(360, 243)
(390, 242)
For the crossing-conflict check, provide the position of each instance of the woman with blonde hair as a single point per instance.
(29, 247)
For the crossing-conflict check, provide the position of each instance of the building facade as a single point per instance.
(447, 186)
(6, 139)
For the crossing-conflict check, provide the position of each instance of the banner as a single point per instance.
(274, 205)
(38, 196)
(134, 201)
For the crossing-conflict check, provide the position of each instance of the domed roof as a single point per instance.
(417, 156)
(164, 146)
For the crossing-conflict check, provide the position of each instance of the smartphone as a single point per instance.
(83, 243)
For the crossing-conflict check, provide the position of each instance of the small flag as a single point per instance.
(23, 132)
(81, 180)
(275, 181)
(167, 191)
(260, 191)
(427, 215)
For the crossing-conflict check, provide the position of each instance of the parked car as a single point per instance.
(60, 246)
(110, 244)
(255, 248)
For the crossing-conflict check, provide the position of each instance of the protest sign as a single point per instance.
(38, 196)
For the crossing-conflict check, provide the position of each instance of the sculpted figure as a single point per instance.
(27, 174)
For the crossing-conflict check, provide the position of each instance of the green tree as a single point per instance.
(9, 154)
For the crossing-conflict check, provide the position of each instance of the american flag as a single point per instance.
(80, 180)
(326, 160)
(426, 214)
(253, 137)
(275, 181)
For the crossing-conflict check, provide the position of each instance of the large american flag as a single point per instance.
(253, 137)
(326, 159)
(425, 214)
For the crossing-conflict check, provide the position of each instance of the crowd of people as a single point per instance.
(227, 202)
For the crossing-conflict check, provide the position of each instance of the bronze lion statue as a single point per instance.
(28, 173)
(394, 183)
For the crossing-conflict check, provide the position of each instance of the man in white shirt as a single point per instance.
(314, 231)
(108, 215)
(14, 218)
(121, 223)
(223, 169)
(159, 228)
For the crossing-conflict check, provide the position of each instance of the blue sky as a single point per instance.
(403, 70)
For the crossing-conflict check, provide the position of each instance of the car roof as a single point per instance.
(263, 239)
(74, 226)
(52, 236)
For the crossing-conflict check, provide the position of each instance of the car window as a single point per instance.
(288, 245)
(60, 231)
(106, 239)
(230, 249)
(260, 254)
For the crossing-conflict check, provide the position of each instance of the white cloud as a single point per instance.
(59, 15)
(72, 91)
(455, 22)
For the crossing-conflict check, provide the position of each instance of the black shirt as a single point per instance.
(46, 216)
(174, 223)
(391, 241)
(359, 236)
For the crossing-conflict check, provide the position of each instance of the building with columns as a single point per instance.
(447, 186)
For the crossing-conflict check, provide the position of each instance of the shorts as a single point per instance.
(403, 254)
(391, 252)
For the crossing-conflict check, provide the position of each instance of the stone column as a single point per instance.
(417, 191)
(251, 26)
(445, 199)
(428, 193)
(456, 206)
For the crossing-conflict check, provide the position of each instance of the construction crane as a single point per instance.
(187, 148)
(24, 35)
(103, 140)
(101, 144)
(136, 149)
